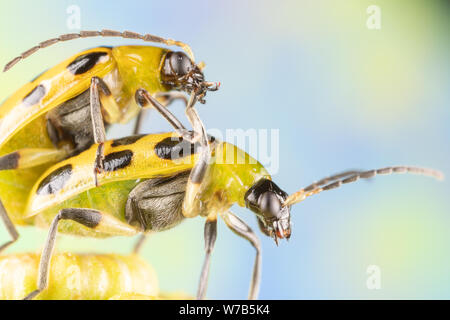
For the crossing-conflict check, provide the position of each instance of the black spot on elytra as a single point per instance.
(117, 160)
(9, 161)
(172, 148)
(126, 141)
(85, 62)
(55, 181)
(34, 96)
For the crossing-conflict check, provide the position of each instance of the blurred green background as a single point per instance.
(342, 95)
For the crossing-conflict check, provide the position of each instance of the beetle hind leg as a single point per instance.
(90, 218)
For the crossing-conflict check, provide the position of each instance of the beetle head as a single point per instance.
(180, 72)
(266, 200)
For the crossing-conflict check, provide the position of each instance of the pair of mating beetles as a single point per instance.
(57, 170)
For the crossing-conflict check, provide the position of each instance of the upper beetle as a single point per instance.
(65, 110)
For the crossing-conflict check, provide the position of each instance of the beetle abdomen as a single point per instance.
(70, 123)
(156, 204)
(110, 199)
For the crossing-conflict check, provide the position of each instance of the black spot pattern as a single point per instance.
(172, 148)
(55, 181)
(34, 96)
(126, 140)
(117, 160)
(85, 62)
(9, 161)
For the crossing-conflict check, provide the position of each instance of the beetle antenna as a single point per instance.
(103, 33)
(330, 179)
(349, 176)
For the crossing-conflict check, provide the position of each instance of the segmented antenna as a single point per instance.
(103, 33)
(329, 179)
(315, 188)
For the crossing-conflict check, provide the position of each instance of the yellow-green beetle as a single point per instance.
(150, 183)
(65, 109)
(95, 87)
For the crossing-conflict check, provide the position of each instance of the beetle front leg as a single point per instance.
(198, 173)
(195, 121)
(9, 226)
(90, 218)
(210, 239)
(144, 99)
(168, 98)
(240, 228)
(196, 177)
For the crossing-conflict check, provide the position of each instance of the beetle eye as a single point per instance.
(180, 64)
(269, 204)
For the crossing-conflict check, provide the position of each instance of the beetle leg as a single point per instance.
(240, 228)
(30, 157)
(198, 173)
(210, 235)
(197, 124)
(196, 177)
(98, 124)
(167, 97)
(90, 218)
(9, 226)
(101, 99)
(143, 99)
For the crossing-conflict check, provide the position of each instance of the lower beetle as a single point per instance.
(150, 183)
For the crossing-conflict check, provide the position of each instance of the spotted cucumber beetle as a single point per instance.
(80, 277)
(65, 109)
(152, 182)
(98, 83)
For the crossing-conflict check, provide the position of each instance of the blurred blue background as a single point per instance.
(343, 96)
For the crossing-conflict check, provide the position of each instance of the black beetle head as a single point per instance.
(181, 73)
(266, 200)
